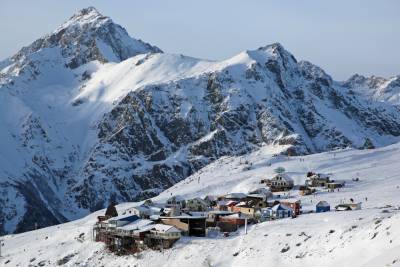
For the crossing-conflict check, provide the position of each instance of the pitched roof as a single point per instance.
(238, 215)
(284, 176)
(280, 207)
(165, 228)
(261, 191)
(323, 203)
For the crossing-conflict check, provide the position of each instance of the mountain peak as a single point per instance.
(372, 82)
(274, 46)
(86, 36)
(87, 16)
(87, 12)
(277, 50)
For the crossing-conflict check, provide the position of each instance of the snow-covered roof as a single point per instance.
(154, 217)
(146, 208)
(323, 203)
(129, 218)
(280, 207)
(261, 190)
(164, 228)
(262, 196)
(318, 176)
(139, 208)
(183, 216)
(284, 176)
(136, 225)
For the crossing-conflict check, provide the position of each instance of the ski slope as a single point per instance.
(368, 237)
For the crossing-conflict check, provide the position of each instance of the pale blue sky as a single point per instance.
(342, 36)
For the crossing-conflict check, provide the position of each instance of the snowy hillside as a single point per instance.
(368, 237)
(376, 88)
(91, 115)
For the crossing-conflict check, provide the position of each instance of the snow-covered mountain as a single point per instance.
(376, 88)
(90, 115)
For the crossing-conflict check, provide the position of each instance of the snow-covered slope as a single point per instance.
(376, 88)
(368, 237)
(90, 115)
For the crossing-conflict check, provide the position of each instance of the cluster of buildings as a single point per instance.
(160, 225)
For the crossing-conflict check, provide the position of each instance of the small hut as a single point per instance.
(322, 206)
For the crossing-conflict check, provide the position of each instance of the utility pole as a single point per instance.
(245, 226)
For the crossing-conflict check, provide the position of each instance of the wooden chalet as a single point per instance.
(280, 182)
(162, 236)
(317, 179)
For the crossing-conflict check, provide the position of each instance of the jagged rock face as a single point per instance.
(80, 134)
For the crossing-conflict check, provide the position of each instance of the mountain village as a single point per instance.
(116, 153)
(158, 226)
